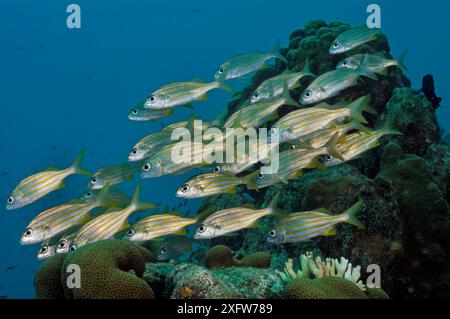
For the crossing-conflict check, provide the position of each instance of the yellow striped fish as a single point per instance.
(159, 225)
(353, 38)
(230, 220)
(114, 197)
(376, 63)
(210, 184)
(291, 163)
(190, 155)
(256, 115)
(113, 175)
(139, 113)
(333, 82)
(182, 93)
(319, 138)
(247, 159)
(47, 250)
(298, 124)
(274, 86)
(38, 185)
(65, 242)
(109, 224)
(299, 227)
(58, 219)
(151, 143)
(243, 64)
(354, 145)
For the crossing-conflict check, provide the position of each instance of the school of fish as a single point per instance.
(318, 135)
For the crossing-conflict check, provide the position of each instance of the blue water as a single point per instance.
(64, 89)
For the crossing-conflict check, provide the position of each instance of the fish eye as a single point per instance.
(345, 62)
(260, 175)
(221, 70)
(152, 98)
(201, 228)
(93, 180)
(336, 45)
(185, 188)
(272, 233)
(88, 194)
(163, 250)
(147, 167)
(130, 232)
(10, 200)
(135, 111)
(256, 95)
(308, 93)
(217, 169)
(134, 152)
(62, 244)
(292, 147)
(73, 248)
(328, 157)
(28, 233)
(43, 250)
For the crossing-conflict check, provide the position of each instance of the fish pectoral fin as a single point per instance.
(330, 232)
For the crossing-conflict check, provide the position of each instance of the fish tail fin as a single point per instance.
(401, 61)
(330, 147)
(137, 203)
(387, 128)
(76, 165)
(355, 125)
(273, 205)
(288, 100)
(222, 85)
(307, 69)
(357, 107)
(363, 70)
(351, 215)
(249, 180)
(277, 53)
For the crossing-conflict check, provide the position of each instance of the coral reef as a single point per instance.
(47, 280)
(319, 269)
(221, 257)
(110, 269)
(329, 288)
(405, 183)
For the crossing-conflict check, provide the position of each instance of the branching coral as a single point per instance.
(317, 268)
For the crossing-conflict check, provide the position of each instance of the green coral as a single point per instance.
(47, 280)
(323, 288)
(110, 269)
(219, 257)
(256, 260)
(105, 271)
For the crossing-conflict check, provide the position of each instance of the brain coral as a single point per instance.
(47, 281)
(105, 271)
(328, 288)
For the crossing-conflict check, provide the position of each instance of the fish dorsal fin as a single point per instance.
(323, 210)
(51, 169)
